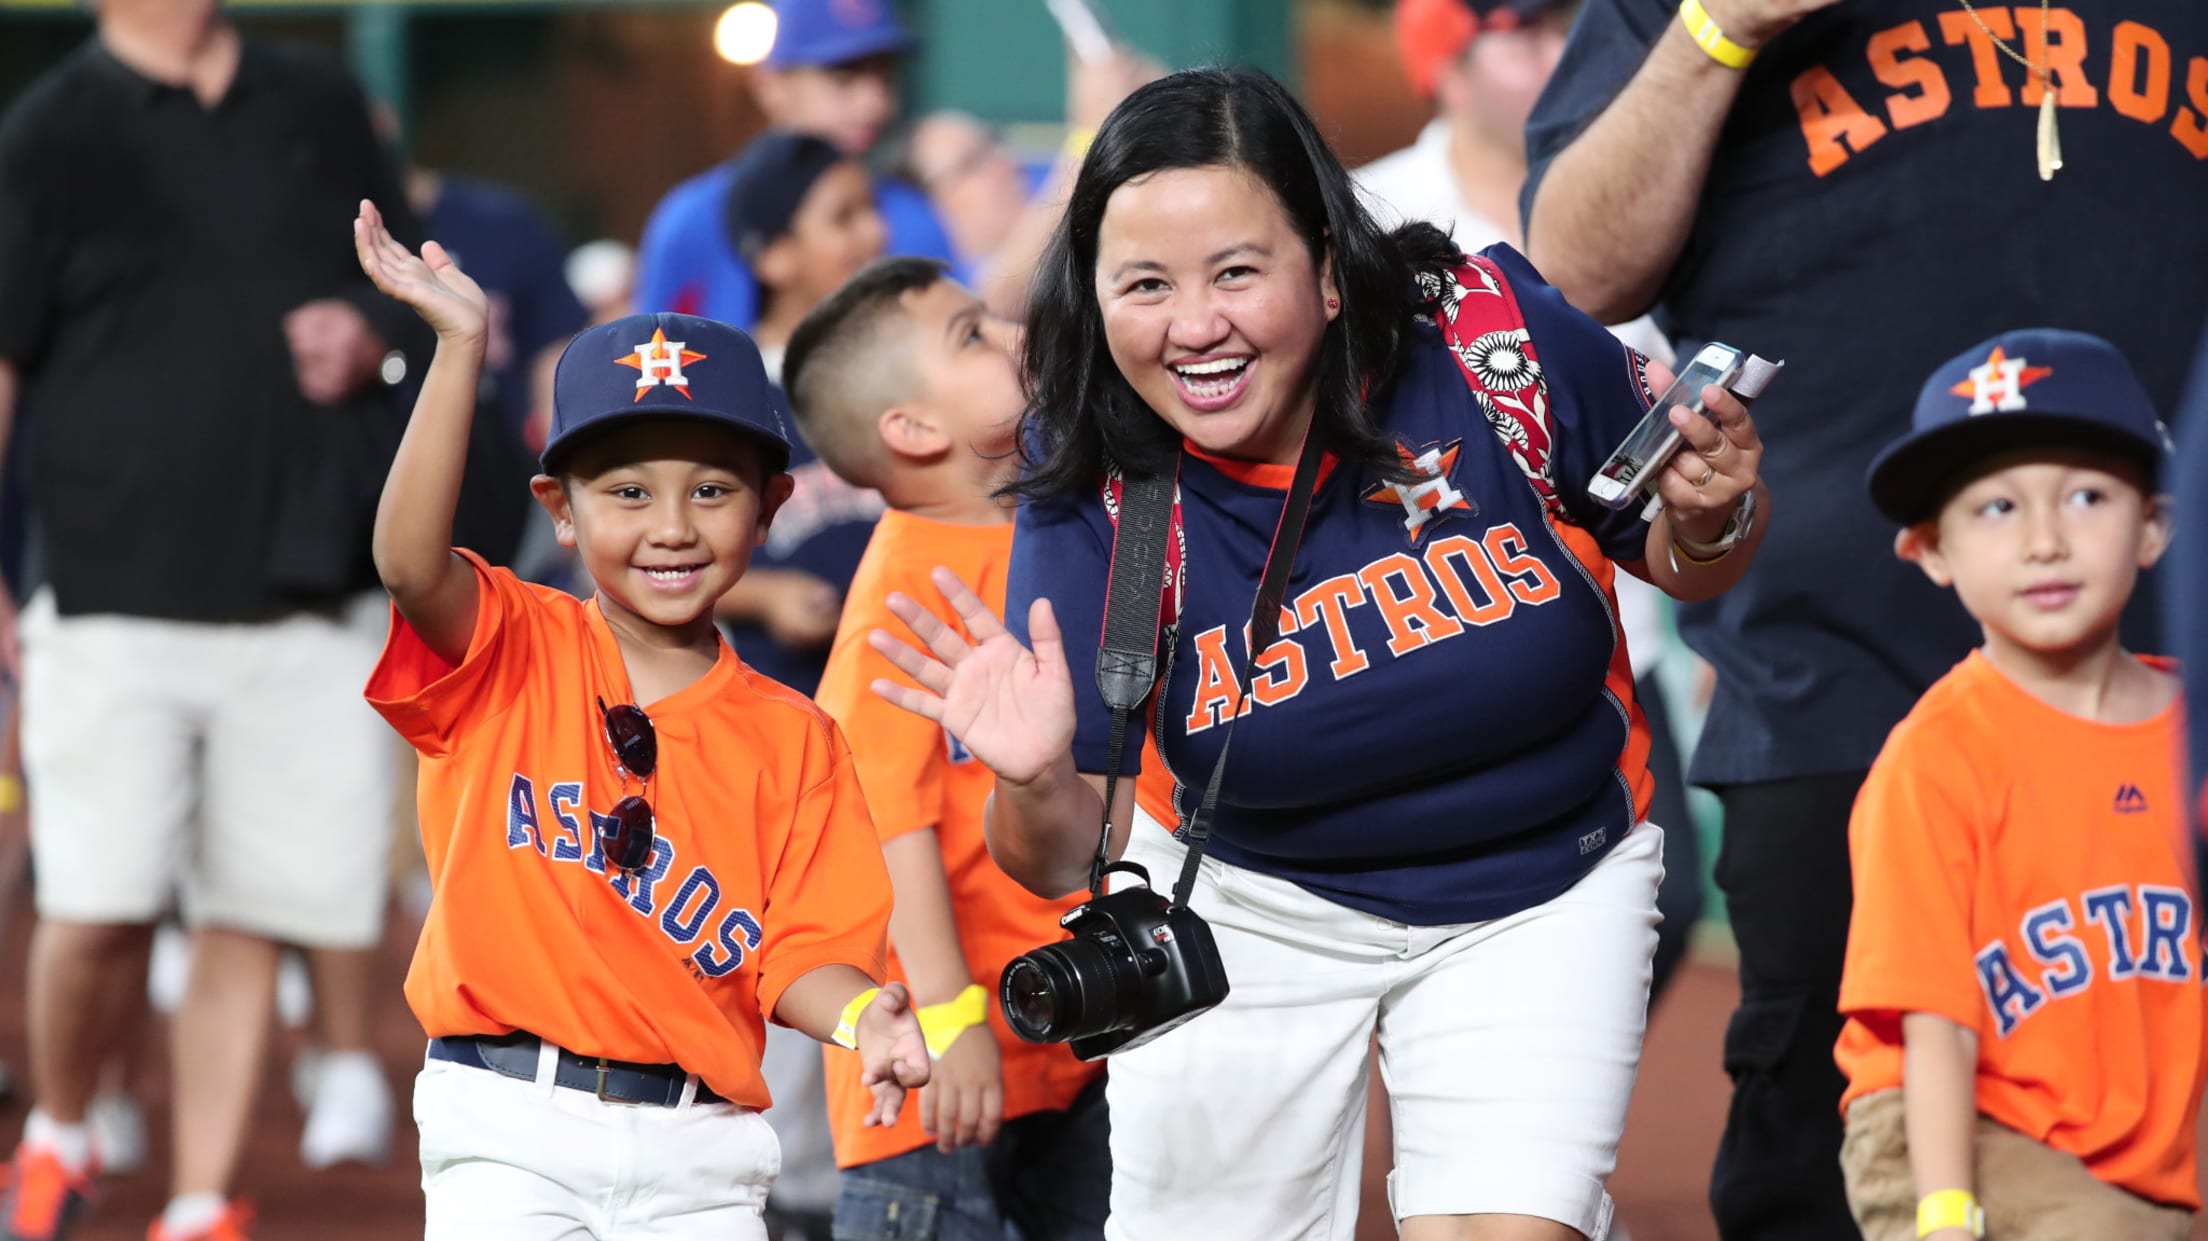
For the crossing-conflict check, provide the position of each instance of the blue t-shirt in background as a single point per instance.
(1874, 208)
(505, 243)
(687, 264)
(1443, 733)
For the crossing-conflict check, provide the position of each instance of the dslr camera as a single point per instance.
(1136, 967)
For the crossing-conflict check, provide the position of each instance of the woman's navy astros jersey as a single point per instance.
(1446, 731)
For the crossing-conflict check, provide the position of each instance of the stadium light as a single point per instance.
(745, 33)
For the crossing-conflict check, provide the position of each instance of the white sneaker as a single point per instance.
(118, 1128)
(351, 1117)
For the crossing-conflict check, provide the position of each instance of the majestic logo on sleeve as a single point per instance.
(662, 361)
(1433, 495)
(1997, 384)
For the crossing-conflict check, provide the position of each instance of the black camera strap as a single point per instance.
(1127, 663)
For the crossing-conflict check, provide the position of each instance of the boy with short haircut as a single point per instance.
(904, 382)
(2022, 979)
(685, 850)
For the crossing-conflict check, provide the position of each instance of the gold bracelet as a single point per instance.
(11, 794)
(1710, 37)
(847, 1026)
(941, 1024)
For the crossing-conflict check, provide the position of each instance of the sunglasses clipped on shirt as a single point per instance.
(627, 834)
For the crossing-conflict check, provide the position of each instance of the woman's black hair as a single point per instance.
(1082, 414)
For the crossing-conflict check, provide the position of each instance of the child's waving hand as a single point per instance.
(431, 283)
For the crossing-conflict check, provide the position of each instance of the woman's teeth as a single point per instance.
(1214, 378)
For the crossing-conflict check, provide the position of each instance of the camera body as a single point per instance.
(1135, 967)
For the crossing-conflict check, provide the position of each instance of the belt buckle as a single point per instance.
(602, 1066)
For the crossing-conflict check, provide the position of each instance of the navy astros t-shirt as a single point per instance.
(1874, 208)
(1445, 732)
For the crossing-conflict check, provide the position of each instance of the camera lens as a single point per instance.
(1031, 1006)
(1068, 990)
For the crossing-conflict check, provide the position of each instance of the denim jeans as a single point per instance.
(1047, 1177)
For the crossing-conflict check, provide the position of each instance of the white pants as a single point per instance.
(237, 761)
(509, 1160)
(1508, 1047)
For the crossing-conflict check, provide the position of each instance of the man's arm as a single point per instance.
(1608, 218)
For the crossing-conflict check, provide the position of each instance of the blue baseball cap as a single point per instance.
(834, 32)
(2035, 388)
(665, 366)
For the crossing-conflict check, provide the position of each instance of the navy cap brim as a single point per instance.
(847, 47)
(1914, 476)
(774, 451)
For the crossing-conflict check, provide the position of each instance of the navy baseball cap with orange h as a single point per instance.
(665, 366)
(2039, 388)
(826, 33)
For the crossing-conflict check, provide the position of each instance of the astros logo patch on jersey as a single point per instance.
(1431, 497)
(1997, 385)
(661, 360)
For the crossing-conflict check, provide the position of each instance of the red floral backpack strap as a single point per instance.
(1486, 333)
(1176, 555)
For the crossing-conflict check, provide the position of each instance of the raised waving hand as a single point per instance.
(1011, 706)
(443, 295)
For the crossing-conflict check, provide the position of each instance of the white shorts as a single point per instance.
(530, 1161)
(236, 764)
(1508, 1047)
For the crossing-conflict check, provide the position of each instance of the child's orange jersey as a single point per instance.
(916, 776)
(765, 867)
(2019, 871)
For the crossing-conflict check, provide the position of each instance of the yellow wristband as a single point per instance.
(1710, 37)
(1077, 143)
(847, 1026)
(1950, 1208)
(941, 1024)
(11, 794)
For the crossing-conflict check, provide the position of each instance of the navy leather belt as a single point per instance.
(613, 1081)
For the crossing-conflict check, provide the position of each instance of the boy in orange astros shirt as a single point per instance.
(640, 847)
(2022, 984)
(902, 382)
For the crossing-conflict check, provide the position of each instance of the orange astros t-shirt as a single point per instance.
(916, 776)
(2019, 871)
(766, 866)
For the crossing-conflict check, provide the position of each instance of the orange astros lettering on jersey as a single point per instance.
(765, 865)
(917, 778)
(2140, 77)
(1481, 580)
(2024, 874)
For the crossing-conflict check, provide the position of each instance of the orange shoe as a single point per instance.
(235, 1219)
(44, 1200)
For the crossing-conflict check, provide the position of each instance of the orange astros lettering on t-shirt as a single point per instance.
(2147, 80)
(2025, 874)
(918, 777)
(765, 865)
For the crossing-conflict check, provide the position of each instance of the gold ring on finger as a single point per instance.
(1708, 473)
(1717, 453)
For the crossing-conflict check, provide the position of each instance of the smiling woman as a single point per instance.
(1435, 828)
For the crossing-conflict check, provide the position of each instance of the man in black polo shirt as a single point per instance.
(197, 368)
(1855, 186)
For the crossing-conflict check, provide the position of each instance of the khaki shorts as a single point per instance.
(2030, 1191)
(233, 764)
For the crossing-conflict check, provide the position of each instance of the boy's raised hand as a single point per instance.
(1012, 707)
(431, 283)
(893, 1053)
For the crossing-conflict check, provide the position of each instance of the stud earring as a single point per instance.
(1332, 304)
